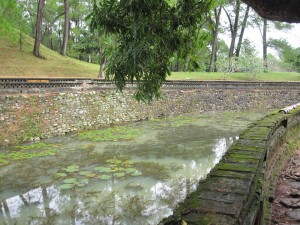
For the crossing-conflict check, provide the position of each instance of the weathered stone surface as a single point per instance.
(217, 207)
(239, 167)
(232, 198)
(208, 218)
(226, 185)
(294, 215)
(295, 185)
(232, 174)
(290, 202)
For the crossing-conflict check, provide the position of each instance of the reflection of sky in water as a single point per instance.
(134, 200)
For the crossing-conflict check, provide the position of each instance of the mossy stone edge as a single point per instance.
(238, 189)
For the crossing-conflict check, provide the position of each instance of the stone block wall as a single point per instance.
(27, 117)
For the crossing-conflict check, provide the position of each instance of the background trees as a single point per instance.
(145, 40)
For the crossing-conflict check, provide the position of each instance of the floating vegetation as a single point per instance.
(118, 133)
(66, 186)
(105, 177)
(70, 180)
(174, 122)
(27, 152)
(113, 168)
(102, 169)
(119, 174)
(72, 169)
(60, 174)
(85, 173)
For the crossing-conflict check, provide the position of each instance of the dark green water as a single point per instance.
(133, 174)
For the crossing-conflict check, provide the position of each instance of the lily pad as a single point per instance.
(119, 174)
(91, 175)
(102, 169)
(60, 174)
(136, 173)
(70, 180)
(85, 173)
(130, 170)
(66, 186)
(105, 177)
(72, 169)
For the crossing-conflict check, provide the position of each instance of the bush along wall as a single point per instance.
(240, 189)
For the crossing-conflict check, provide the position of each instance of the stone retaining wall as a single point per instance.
(25, 117)
(240, 189)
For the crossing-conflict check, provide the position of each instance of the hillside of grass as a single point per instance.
(16, 63)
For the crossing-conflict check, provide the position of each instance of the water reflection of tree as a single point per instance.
(7, 213)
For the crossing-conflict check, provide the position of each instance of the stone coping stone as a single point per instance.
(237, 146)
(208, 218)
(231, 174)
(239, 167)
(242, 155)
(226, 185)
(232, 159)
(222, 196)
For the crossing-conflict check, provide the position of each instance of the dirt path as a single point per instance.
(286, 206)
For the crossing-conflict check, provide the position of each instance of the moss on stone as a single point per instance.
(232, 174)
(236, 167)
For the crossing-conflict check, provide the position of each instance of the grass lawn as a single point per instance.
(16, 63)
(270, 76)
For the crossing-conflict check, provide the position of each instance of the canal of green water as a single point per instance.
(132, 174)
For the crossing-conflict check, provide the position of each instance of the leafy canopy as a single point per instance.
(149, 32)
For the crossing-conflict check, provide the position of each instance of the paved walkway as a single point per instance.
(286, 206)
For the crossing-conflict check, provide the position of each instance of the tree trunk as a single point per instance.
(66, 29)
(102, 62)
(238, 48)
(21, 40)
(38, 33)
(234, 28)
(212, 62)
(265, 46)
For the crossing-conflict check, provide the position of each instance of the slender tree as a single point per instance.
(244, 24)
(38, 33)
(234, 25)
(265, 45)
(215, 33)
(66, 29)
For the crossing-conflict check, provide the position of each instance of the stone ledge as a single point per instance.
(232, 192)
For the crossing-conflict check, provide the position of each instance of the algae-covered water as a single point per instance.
(133, 174)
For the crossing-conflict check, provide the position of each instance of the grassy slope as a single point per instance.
(16, 63)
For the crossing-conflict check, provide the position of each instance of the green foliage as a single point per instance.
(11, 19)
(149, 33)
(117, 133)
(27, 152)
(287, 53)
